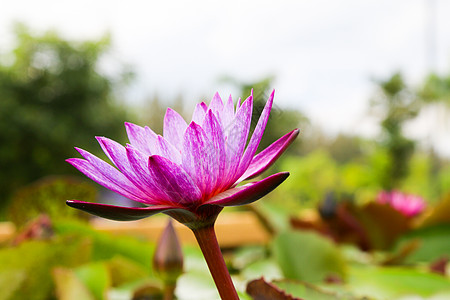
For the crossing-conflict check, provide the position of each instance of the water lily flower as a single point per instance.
(407, 204)
(192, 171)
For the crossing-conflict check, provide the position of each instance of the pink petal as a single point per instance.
(263, 160)
(216, 104)
(256, 137)
(199, 113)
(118, 155)
(140, 137)
(110, 179)
(118, 213)
(174, 181)
(214, 132)
(139, 163)
(228, 113)
(238, 105)
(114, 176)
(174, 128)
(166, 149)
(248, 193)
(198, 158)
(237, 134)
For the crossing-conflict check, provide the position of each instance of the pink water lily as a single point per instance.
(192, 171)
(407, 204)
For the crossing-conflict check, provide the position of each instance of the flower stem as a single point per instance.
(206, 238)
(169, 292)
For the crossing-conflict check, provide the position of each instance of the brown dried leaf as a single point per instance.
(259, 289)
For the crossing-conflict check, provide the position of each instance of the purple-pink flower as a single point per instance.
(190, 172)
(409, 205)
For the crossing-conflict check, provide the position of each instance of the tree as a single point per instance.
(397, 105)
(436, 89)
(53, 98)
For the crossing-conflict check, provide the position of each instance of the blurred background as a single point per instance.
(367, 83)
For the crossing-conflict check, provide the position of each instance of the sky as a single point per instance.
(324, 54)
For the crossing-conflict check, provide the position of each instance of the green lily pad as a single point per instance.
(433, 241)
(34, 260)
(10, 282)
(124, 270)
(308, 256)
(266, 267)
(69, 286)
(106, 246)
(308, 291)
(96, 278)
(394, 282)
(196, 286)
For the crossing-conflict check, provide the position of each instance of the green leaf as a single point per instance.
(307, 256)
(433, 243)
(196, 286)
(10, 282)
(123, 270)
(96, 278)
(246, 255)
(308, 291)
(266, 267)
(69, 286)
(390, 283)
(35, 260)
(262, 290)
(106, 246)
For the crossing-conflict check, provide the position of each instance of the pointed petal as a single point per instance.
(166, 149)
(198, 158)
(256, 137)
(237, 134)
(140, 137)
(228, 113)
(139, 163)
(214, 132)
(174, 181)
(199, 113)
(174, 128)
(216, 104)
(118, 213)
(115, 177)
(118, 155)
(110, 178)
(113, 150)
(248, 193)
(263, 160)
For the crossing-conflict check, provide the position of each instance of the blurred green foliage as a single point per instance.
(320, 259)
(434, 243)
(47, 197)
(76, 257)
(395, 282)
(53, 96)
(35, 269)
(317, 173)
(436, 89)
(398, 105)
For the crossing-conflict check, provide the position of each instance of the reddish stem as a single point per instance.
(206, 238)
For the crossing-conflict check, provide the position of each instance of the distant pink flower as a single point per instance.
(192, 171)
(409, 205)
